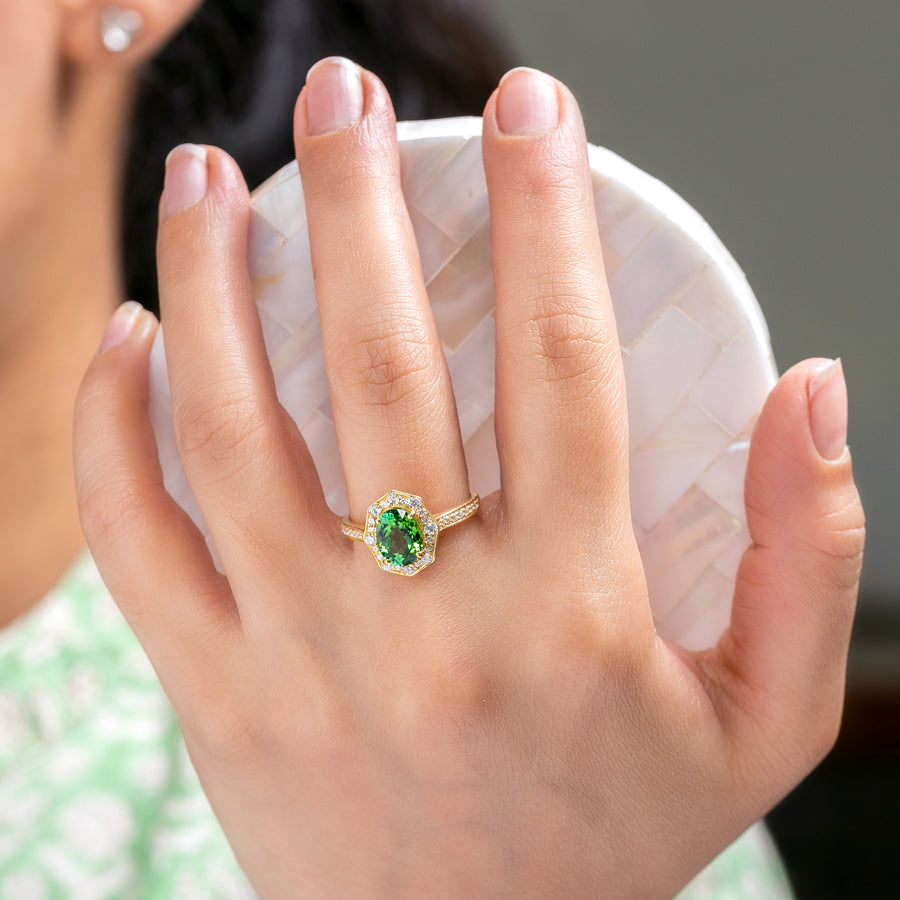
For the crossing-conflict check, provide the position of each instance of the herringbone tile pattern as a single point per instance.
(695, 351)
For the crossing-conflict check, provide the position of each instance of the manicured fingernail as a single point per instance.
(334, 95)
(121, 325)
(527, 102)
(828, 410)
(186, 178)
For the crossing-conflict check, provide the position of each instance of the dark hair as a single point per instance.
(231, 77)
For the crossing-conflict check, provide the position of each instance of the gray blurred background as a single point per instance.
(780, 123)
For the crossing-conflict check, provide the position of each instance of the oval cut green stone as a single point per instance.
(398, 537)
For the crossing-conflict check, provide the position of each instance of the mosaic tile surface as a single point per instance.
(695, 348)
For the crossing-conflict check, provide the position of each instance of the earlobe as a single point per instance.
(99, 32)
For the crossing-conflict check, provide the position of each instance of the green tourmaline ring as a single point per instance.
(402, 534)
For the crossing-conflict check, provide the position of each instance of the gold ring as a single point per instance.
(402, 534)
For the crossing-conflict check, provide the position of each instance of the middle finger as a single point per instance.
(561, 418)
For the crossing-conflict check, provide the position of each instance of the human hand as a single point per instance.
(506, 723)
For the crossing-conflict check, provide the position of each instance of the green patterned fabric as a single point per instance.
(98, 799)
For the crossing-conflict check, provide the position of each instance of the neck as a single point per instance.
(60, 281)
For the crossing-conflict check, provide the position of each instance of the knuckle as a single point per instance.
(229, 429)
(839, 536)
(841, 533)
(548, 175)
(385, 369)
(351, 180)
(571, 347)
(355, 164)
(109, 509)
(829, 537)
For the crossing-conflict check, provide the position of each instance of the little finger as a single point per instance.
(151, 556)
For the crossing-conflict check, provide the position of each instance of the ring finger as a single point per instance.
(393, 404)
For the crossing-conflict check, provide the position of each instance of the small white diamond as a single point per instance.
(392, 498)
(374, 509)
(370, 540)
(408, 570)
(427, 558)
(386, 566)
(430, 528)
(414, 502)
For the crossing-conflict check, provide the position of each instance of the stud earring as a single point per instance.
(119, 27)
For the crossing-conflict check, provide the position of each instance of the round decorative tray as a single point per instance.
(695, 349)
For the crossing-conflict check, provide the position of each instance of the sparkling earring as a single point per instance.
(119, 27)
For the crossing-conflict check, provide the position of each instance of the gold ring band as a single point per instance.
(402, 534)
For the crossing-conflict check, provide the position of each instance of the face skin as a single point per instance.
(27, 99)
(64, 106)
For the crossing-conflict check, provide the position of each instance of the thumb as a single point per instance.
(796, 588)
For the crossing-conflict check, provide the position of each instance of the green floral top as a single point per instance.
(98, 799)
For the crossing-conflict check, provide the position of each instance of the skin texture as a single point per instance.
(507, 723)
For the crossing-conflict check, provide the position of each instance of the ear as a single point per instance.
(119, 32)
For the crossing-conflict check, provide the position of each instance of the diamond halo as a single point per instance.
(402, 534)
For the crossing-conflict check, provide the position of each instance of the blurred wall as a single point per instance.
(780, 123)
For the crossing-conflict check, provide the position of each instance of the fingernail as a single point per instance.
(121, 325)
(828, 410)
(186, 178)
(527, 103)
(334, 95)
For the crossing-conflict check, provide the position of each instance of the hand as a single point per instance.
(506, 723)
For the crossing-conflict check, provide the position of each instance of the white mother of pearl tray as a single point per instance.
(695, 349)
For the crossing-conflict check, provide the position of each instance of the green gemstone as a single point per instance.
(398, 537)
